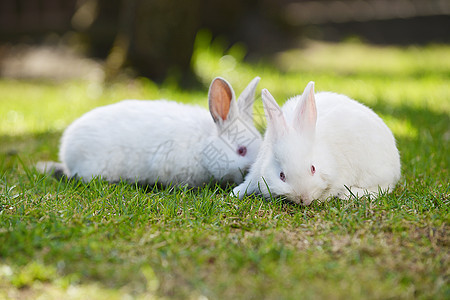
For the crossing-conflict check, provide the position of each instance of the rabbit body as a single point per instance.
(322, 145)
(137, 140)
(164, 142)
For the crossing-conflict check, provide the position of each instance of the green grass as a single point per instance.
(102, 241)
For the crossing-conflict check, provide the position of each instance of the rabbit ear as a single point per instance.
(306, 112)
(246, 99)
(221, 100)
(275, 119)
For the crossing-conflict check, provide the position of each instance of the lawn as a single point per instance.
(66, 239)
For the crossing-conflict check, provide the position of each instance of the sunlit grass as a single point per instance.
(33, 107)
(357, 58)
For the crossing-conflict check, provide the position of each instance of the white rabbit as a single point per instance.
(163, 142)
(320, 146)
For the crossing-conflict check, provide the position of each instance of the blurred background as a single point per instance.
(102, 39)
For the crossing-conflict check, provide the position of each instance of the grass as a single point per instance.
(103, 241)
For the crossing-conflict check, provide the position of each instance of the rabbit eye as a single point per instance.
(242, 151)
(282, 176)
(313, 169)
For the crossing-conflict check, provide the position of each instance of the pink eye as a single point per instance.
(242, 151)
(282, 176)
(313, 169)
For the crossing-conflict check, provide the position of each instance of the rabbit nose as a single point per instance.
(306, 201)
(303, 199)
(296, 197)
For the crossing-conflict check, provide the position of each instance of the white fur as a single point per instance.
(348, 144)
(164, 142)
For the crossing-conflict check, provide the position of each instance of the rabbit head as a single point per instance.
(288, 164)
(297, 167)
(230, 153)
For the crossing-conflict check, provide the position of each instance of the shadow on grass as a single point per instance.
(428, 152)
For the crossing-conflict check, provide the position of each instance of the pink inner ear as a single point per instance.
(306, 111)
(274, 114)
(312, 110)
(221, 96)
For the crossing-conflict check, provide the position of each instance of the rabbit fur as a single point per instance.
(162, 141)
(322, 145)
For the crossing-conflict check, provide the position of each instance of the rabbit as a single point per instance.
(163, 142)
(322, 146)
